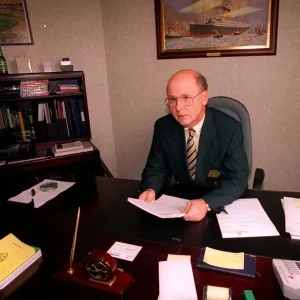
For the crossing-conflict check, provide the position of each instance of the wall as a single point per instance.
(73, 29)
(267, 85)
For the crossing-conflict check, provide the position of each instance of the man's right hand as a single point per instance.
(148, 196)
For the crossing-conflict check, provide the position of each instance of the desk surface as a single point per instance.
(104, 199)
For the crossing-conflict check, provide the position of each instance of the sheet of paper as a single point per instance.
(164, 207)
(217, 293)
(245, 218)
(292, 216)
(14, 254)
(40, 197)
(224, 259)
(124, 251)
(176, 280)
(178, 257)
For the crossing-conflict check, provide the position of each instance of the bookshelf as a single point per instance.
(37, 111)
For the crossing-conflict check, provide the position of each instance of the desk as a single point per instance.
(51, 228)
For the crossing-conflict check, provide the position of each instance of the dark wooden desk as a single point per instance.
(51, 228)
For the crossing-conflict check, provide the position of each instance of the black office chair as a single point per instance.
(239, 112)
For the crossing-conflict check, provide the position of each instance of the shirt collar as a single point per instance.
(197, 127)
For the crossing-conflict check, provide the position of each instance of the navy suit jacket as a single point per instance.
(220, 149)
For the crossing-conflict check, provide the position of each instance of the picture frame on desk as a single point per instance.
(15, 25)
(215, 28)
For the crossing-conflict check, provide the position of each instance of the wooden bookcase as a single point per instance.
(37, 111)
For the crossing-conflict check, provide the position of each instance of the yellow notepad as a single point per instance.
(297, 203)
(13, 253)
(224, 259)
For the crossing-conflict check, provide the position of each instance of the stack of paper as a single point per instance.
(291, 207)
(245, 218)
(176, 279)
(163, 207)
(15, 258)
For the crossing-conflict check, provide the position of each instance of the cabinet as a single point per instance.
(37, 111)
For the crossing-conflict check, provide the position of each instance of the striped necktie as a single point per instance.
(191, 153)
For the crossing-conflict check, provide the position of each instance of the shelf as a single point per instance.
(64, 95)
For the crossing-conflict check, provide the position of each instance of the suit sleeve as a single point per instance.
(156, 167)
(234, 180)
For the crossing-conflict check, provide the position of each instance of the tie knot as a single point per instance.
(192, 132)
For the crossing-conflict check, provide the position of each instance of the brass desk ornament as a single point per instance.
(99, 270)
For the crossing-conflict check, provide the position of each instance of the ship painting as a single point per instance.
(196, 28)
(217, 16)
(206, 17)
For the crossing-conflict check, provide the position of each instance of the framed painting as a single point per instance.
(213, 28)
(14, 23)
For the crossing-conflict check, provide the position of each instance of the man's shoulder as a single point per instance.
(223, 120)
(166, 121)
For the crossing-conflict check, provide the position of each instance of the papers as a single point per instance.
(14, 253)
(176, 280)
(40, 197)
(163, 207)
(224, 259)
(217, 293)
(124, 251)
(291, 207)
(245, 218)
(178, 257)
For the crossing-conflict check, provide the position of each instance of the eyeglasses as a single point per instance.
(185, 100)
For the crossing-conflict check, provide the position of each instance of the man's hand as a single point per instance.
(148, 195)
(195, 210)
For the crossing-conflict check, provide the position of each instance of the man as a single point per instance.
(200, 145)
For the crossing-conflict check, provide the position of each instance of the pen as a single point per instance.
(225, 211)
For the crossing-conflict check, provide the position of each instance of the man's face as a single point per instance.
(183, 86)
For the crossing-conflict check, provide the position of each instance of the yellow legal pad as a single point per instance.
(13, 253)
(224, 259)
(297, 203)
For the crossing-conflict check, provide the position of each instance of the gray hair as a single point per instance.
(201, 80)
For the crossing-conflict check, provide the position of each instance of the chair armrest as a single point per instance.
(259, 177)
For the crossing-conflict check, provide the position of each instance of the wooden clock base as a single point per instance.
(120, 283)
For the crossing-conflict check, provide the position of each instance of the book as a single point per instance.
(87, 147)
(16, 257)
(248, 270)
(68, 146)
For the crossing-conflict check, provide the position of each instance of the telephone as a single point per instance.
(287, 273)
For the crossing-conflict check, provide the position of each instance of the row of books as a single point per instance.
(58, 119)
(20, 119)
(40, 88)
(67, 114)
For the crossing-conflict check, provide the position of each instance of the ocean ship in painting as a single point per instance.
(220, 25)
(212, 18)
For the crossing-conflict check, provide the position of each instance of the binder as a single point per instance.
(248, 271)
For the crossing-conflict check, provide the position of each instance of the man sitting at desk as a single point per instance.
(200, 145)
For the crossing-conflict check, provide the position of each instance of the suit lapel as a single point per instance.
(179, 148)
(206, 149)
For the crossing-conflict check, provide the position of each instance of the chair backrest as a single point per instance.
(239, 112)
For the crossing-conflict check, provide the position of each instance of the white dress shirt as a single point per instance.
(197, 129)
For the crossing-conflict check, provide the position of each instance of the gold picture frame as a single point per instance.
(215, 28)
(14, 23)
